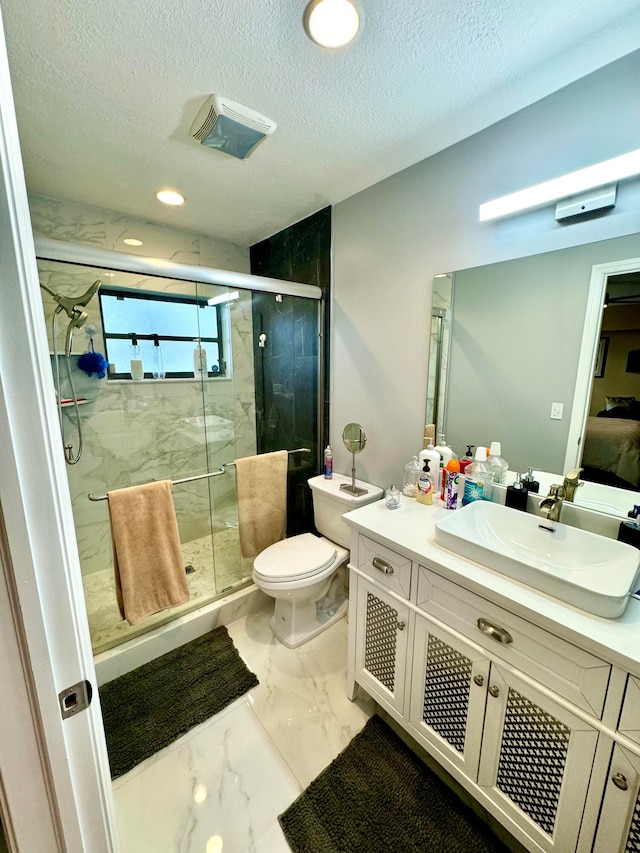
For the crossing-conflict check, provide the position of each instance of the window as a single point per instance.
(178, 323)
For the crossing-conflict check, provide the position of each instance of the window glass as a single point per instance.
(177, 322)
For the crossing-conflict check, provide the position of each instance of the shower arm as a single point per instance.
(73, 305)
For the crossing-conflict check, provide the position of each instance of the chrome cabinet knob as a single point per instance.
(402, 626)
(479, 680)
(494, 691)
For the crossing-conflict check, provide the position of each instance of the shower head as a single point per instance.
(73, 305)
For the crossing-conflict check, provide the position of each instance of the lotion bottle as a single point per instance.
(135, 364)
(200, 362)
(158, 360)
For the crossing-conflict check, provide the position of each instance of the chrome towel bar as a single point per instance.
(221, 470)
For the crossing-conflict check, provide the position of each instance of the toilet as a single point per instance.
(307, 574)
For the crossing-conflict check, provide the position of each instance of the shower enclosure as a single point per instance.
(214, 399)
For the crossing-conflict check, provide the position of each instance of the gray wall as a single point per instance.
(392, 238)
(515, 341)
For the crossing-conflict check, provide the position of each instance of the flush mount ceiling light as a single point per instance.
(331, 23)
(609, 171)
(170, 197)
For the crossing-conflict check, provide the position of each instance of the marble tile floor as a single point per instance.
(227, 570)
(222, 785)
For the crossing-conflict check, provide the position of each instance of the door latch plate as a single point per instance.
(75, 698)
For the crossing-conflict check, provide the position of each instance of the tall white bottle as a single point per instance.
(429, 451)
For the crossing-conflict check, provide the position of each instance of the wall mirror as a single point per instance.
(525, 366)
(354, 439)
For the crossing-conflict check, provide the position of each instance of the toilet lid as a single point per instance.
(292, 559)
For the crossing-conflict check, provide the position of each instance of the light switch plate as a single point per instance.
(556, 411)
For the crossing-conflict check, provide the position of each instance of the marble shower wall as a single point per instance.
(140, 431)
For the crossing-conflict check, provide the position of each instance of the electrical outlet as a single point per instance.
(556, 411)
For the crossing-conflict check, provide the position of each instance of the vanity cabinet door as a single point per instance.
(536, 760)
(448, 695)
(619, 824)
(381, 644)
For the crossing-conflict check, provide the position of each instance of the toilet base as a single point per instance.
(294, 638)
(296, 621)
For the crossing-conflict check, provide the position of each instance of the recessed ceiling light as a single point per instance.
(171, 197)
(131, 241)
(331, 23)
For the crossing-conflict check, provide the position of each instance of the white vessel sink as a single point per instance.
(589, 571)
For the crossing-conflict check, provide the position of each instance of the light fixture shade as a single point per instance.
(331, 23)
(598, 175)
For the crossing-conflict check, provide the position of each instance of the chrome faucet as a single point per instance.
(551, 506)
(571, 483)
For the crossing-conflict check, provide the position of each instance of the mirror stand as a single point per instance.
(354, 439)
(351, 487)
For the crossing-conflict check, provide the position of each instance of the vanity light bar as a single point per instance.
(607, 172)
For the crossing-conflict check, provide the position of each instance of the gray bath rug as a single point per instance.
(150, 707)
(377, 795)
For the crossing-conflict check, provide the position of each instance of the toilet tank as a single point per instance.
(330, 504)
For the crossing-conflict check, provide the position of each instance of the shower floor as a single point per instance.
(208, 581)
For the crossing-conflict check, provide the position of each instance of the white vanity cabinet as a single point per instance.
(529, 720)
(618, 829)
(381, 647)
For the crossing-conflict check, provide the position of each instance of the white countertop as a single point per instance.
(410, 529)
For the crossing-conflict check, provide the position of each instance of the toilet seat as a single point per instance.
(297, 558)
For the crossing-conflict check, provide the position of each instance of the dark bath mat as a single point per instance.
(377, 795)
(150, 707)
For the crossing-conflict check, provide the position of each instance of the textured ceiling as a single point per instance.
(106, 91)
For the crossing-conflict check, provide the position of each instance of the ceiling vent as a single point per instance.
(230, 127)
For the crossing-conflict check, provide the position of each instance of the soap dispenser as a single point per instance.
(135, 362)
(629, 531)
(530, 483)
(158, 360)
(517, 495)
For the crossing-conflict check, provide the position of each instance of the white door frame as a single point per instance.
(49, 767)
(588, 350)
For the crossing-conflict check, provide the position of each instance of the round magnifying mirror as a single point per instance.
(354, 438)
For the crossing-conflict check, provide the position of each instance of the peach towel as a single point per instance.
(261, 488)
(147, 557)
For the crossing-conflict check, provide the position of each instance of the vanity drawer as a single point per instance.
(386, 566)
(564, 668)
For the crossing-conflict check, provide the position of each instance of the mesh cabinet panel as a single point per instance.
(633, 840)
(532, 759)
(446, 692)
(380, 641)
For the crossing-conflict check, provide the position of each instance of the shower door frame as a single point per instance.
(85, 256)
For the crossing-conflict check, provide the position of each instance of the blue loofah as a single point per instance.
(93, 362)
